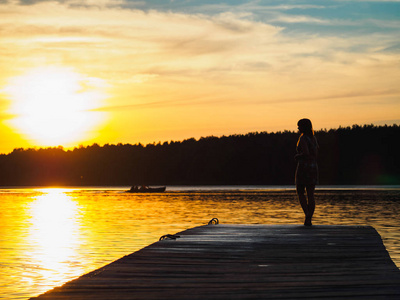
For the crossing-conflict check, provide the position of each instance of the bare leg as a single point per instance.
(311, 200)
(307, 203)
(302, 198)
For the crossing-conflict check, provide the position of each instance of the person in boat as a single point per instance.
(144, 188)
(306, 176)
(134, 188)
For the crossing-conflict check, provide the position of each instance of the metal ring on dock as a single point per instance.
(214, 221)
(169, 237)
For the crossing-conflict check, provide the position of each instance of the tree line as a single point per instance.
(365, 154)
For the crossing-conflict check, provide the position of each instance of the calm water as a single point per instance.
(50, 236)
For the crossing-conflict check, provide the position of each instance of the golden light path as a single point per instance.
(54, 105)
(55, 234)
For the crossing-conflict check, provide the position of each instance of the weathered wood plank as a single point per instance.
(248, 262)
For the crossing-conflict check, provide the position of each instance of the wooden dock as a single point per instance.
(248, 262)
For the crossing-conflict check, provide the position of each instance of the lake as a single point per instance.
(49, 236)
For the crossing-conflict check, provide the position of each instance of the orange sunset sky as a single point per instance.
(118, 71)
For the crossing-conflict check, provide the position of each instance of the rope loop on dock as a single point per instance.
(169, 237)
(213, 221)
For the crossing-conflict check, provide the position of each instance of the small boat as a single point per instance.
(136, 189)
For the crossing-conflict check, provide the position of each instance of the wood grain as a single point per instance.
(248, 262)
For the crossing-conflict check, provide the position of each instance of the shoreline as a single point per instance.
(222, 188)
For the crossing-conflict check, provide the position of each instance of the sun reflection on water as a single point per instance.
(54, 235)
(51, 236)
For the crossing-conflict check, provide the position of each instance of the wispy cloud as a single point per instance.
(79, 3)
(300, 19)
(165, 43)
(222, 59)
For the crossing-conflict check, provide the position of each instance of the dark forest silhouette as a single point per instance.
(351, 155)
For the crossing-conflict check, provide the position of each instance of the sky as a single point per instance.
(119, 71)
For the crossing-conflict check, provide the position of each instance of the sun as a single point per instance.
(55, 105)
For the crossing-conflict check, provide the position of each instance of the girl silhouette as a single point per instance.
(307, 168)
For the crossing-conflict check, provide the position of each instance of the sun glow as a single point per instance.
(52, 105)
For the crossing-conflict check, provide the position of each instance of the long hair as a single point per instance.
(305, 127)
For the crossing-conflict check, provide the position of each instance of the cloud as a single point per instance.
(246, 6)
(78, 3)
(154, 37)
(300, 19)
(186, 68)
(144, 52)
